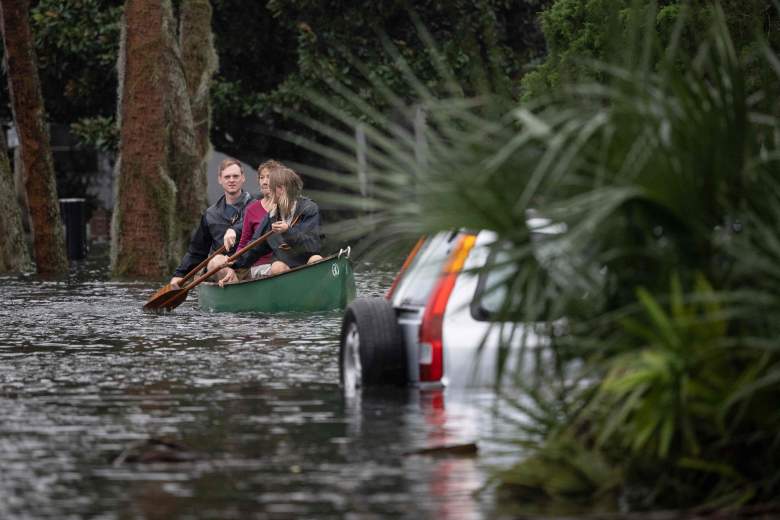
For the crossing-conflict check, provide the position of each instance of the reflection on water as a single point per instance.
(84, 373)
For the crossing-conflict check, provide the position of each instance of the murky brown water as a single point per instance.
(85, 373)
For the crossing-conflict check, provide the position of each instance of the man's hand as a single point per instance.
(279, 226)
(175, 281)
(230, 277)
(229, 239)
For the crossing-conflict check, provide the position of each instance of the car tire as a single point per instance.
(371, 351)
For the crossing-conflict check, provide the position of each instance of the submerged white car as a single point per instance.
(437, 325)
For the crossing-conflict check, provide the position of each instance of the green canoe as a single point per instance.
(327, 284)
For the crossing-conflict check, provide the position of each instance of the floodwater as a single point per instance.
(252, 403)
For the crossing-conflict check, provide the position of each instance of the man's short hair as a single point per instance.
(229, 162)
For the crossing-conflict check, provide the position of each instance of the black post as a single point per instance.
(74, 217)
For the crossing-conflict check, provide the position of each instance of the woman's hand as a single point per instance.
(280, 226)
(229, 239)
(230, 277)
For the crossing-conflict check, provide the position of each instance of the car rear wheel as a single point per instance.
(371, 351)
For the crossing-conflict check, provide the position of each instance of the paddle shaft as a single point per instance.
(238, 253)
(202, 265)
(164, 293)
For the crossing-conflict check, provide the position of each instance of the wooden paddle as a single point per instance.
(176, 296)
(162, 294)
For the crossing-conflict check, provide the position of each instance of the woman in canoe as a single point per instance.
(290, 246)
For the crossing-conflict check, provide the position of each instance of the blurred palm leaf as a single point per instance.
(661, 180)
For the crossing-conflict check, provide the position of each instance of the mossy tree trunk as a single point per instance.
(38, 169)
(143, 222)
(184, 157)
(164, 123)
(200, 61)
(13, 248)
(193, 63)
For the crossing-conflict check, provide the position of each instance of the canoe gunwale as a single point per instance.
(275, 276)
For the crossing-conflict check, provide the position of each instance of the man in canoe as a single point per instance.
(293, 242)
(227, 213)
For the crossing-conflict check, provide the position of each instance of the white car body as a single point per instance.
(470, 345)
(438, 325)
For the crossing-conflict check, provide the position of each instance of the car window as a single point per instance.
(491, 293)
(423, 273)
(490, 297)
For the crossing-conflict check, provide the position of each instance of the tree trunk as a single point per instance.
(185, 159)
(192, 64)
(200, 61)
(143, 224)
(39, 181)
(13, 248)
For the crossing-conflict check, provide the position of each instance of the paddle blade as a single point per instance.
(159, 296)
(168, 297)
(176, 298)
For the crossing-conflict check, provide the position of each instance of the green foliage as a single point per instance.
(661, 172)
(661, 396)
(100, 132)
(565, 471)
(466, 31)
(575, 31)
(285, 48)
(76, 44)
(578, 31)
(302, 46)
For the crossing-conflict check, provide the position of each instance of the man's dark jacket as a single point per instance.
(209, 234)
(302, 240)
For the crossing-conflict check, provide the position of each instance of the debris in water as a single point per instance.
(463, 450)
(155, 450)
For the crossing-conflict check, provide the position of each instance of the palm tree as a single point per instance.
(665, 180)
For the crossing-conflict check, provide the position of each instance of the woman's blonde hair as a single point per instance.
(292, 184)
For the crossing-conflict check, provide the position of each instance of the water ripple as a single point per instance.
(85, 373)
